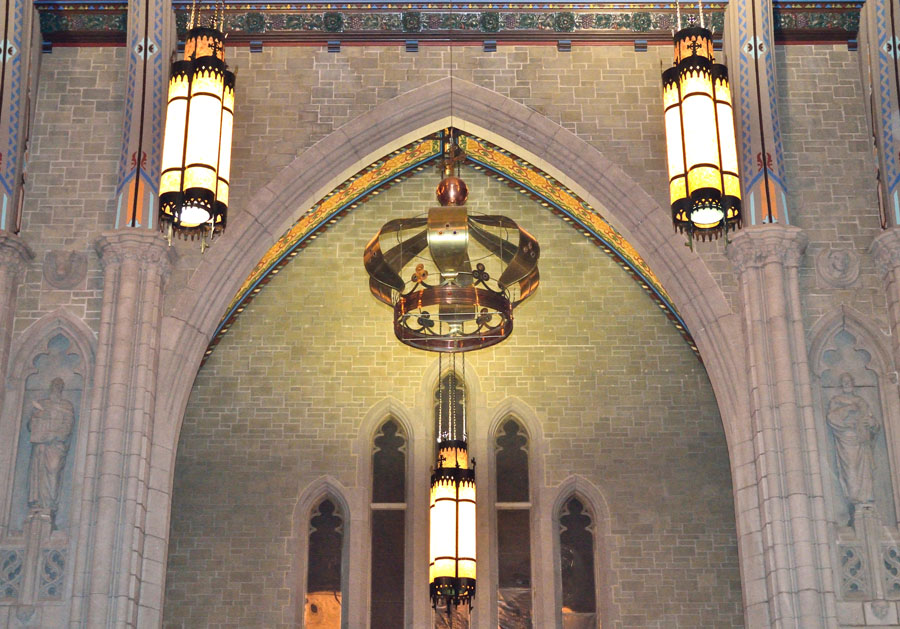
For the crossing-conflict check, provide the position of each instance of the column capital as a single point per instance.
(760, 245)
(148, 248)
(885, 249)
(13, 251)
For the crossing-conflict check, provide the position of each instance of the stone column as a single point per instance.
(151, 39)
(789, 483)
(14, 257)
(749, 48)
(20, 49)
(879, 36)
(111, 540)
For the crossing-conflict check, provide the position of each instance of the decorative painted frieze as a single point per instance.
(252, 21)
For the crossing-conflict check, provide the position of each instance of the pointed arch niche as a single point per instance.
(581, 548)
(858, 419)
(44, 444)
(322, 542)
(59, 345)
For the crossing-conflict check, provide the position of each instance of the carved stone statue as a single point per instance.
(854, 428)
(50, 425)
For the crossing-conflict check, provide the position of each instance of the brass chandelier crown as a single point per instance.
(453, 278)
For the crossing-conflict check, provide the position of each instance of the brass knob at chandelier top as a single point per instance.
(452, 191)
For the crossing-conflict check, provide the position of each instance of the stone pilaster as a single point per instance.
(151, 39)
(886, 251)
(20, 49)
(14, 257)
(879, 35)
(792, 509)
(750, 55)
(135, 266)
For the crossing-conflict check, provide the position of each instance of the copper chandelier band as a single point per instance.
(415, 305)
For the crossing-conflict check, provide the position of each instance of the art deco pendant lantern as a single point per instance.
(452, 545)
(704, 188)
(452, 555)
(196, 159)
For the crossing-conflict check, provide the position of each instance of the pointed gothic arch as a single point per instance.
(324, 487)
(577, 486)
(189, 324)
(847, 317)
(31, 343)
(62, 320)
(522, 412)
(503, 121)
(388, 408)
(851, 326)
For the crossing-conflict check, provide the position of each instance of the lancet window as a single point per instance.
(513, 513)
(388, 512)
(576, 560)
(324, 566)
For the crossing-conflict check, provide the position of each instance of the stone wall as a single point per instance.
(70, 188)
(830, 166)
(267, 398)
(291, 97)
(620, 398)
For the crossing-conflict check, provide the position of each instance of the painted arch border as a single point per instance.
(406, 162)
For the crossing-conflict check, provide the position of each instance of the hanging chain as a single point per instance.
(465, 427)
(440, 435)
(451, 379)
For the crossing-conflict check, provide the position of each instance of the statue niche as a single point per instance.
(857, 449)
(50, 409)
